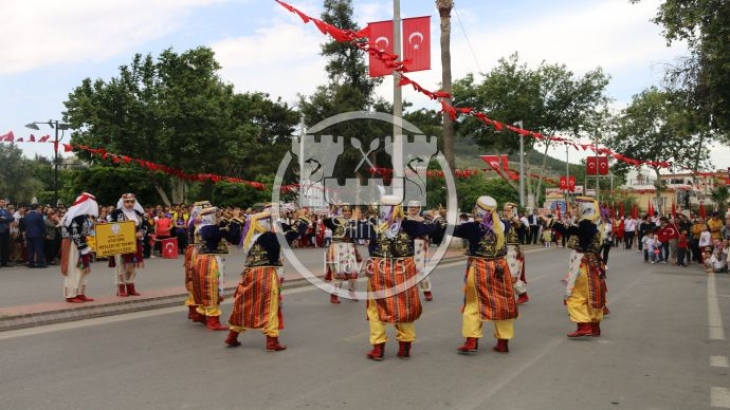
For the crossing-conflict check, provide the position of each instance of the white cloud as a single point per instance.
(281, 60)
(74, 31)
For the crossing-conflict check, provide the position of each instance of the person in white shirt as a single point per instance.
(629, 231)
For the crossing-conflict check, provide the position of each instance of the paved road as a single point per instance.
(663, 348)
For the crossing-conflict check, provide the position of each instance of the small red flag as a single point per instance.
(591, 165)
(32, 138)
(571, 183)
(381, 39)
(602, 165)
(417, 44)
(44, 138)
(9, 137)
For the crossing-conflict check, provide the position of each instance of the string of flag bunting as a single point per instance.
(371, 40)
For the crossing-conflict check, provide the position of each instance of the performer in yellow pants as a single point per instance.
(488, 289)
(585, 292)
(392, 292)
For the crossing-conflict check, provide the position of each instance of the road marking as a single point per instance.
(713, 311)
(719, 361)
(720, 397)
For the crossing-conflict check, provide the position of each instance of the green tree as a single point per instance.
(658, 126)
(176, 111)
(551, 100)
(19, 181)
(720, 194)
(349, 89)
(705, 27)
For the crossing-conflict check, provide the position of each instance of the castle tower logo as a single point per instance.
(358, 171)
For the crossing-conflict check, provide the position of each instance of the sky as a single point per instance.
(262, 47)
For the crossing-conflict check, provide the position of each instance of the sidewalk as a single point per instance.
(32, 297)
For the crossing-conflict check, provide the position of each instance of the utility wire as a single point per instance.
(467, 39)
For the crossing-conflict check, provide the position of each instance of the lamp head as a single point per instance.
(32, 126)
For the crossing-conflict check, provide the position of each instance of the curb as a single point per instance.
(28, 320)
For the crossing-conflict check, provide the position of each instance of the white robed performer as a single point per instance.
(420, 250)
(126, 265)
(75, 250)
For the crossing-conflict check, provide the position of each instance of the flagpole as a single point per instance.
(398, 185)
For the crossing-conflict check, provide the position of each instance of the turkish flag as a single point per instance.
(417, 44)
(9, 137)
(44, 138)
(495, 161)
(591, 165)
(650, 211)
(571, 183)
(602, 165)
(563, 183)
(381, 39)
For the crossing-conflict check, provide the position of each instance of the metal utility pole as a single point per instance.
(398, 177)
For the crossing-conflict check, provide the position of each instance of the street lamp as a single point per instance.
(522, 164)
(57, 126)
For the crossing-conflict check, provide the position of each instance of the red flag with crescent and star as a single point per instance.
(591, 165)
(381, 39)
(417, 44)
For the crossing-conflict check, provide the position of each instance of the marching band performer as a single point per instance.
(488, 283)
(389, 268)
(214, 233)
(420, 252)
(585, 295)
(257, 300)
(342, 260)
(75, 250)
(515, 256)
(128, 209)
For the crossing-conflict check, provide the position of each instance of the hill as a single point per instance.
(468, 157)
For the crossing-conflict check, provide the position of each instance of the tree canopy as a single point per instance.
(658, 126)
(550, 99)
(705, 26)
(176, 111)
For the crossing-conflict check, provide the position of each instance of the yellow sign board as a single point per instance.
(115, 238)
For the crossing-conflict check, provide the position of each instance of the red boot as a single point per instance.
(194, 315)
(85, 298)
(334, 299)
(378, 352)
(596, 329)
(122, 291)
(232, 339)
(501, 346)
(584, 329)
(470, 346)
(272, 344)
(428, 295)
(404, 350)
(131, 291)
(213, 324)
(523, 298)
(74, 299)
